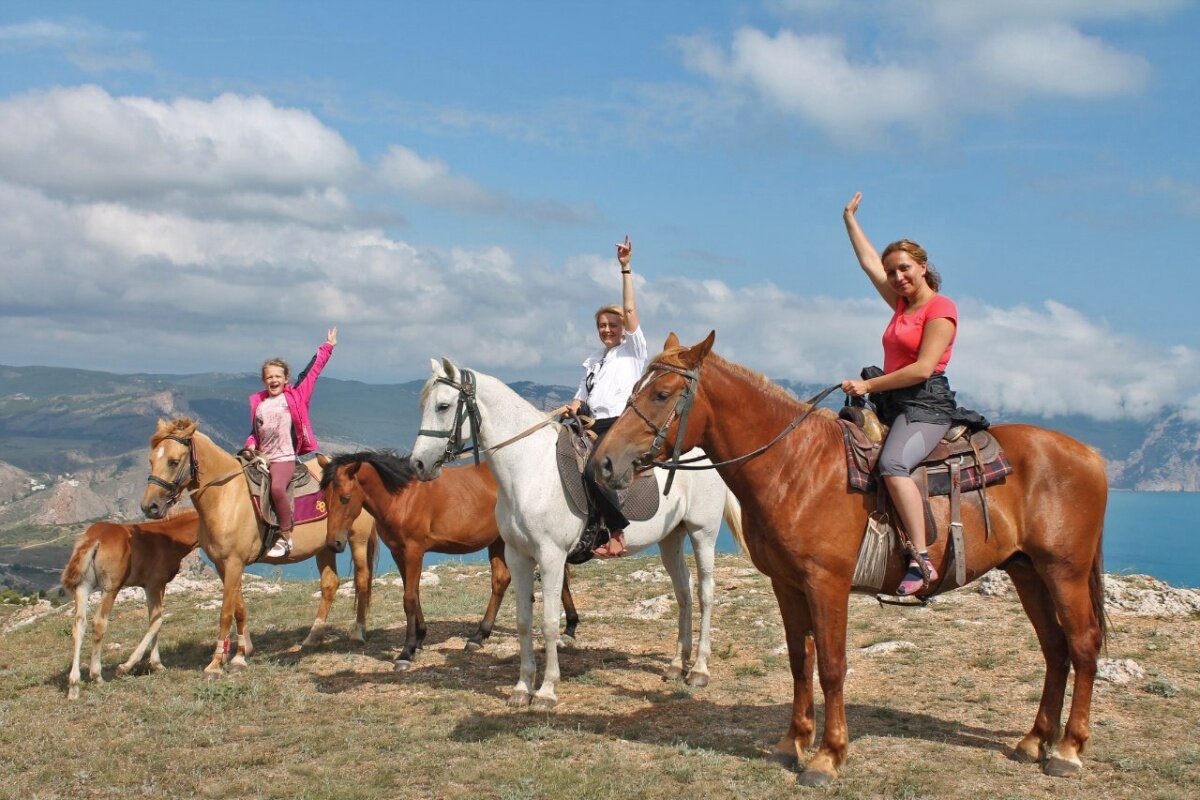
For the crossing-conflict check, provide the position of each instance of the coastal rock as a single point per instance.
(649, 576)
(884, 648)
(1119, 671)
(653, 608)
(1144, 596)
(995, 584)
(429, 578)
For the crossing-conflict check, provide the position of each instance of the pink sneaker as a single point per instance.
(914, 581)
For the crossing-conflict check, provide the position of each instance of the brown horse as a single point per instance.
(454, 514)
(803, 528)
(231, 533)
(109, 557)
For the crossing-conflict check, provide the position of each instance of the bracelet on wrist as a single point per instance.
(626, 272)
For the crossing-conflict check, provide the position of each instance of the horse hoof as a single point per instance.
(673, 674)
(1062, 768)
(518, 699)
(783, 758)
(98, 680)
(158, 666)
(212, 674)
(540, 703)
(73, 691)
(123, 670)
(312, 641)
(815, 779)
(402, 665)
(1024, 756)
(697, 680)
(473, 646)
(237, 664)
(566, 641)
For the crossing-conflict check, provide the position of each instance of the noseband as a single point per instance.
(184, 476)
(467, 409)
(680, 411)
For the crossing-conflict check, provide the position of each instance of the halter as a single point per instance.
(682, 408)
(467, 409)
(185, 475)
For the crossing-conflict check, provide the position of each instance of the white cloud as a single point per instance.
(87, 45)
(1058, 61)
(429, 181)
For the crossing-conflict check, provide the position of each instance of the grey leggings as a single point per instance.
(907, 444)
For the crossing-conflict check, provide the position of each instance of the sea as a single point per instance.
(1150, 533)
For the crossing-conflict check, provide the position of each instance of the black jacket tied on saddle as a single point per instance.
(931, 401)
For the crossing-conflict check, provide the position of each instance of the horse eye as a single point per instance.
(172, 462)
(345, 498)
(664, 394)
(443, 406)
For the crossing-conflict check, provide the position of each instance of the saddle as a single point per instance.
(304, 493)
(962, 462)
(638, 503)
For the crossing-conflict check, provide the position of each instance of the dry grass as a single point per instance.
(937, 721)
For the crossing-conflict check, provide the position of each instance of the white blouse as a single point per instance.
(612, 373)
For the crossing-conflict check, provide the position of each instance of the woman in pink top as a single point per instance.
(281, 430)
(917, 344)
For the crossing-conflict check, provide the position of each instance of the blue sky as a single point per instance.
(195, 187)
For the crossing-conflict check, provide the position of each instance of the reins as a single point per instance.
(686, 398)
(176, 485)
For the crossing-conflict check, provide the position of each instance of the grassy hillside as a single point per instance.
(934, 721)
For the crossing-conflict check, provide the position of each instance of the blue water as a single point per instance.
(1144, 532)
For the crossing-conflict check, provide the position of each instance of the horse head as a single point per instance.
(343, 498)
(662, 409)
(172, 466)
(449, 412)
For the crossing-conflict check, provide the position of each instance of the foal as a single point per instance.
(454, 514)
(109, 557)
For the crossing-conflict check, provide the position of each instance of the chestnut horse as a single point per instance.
(231, 533)
(803, 528)
(454, 514)
(110, 556)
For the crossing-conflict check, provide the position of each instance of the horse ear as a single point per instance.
(696, 353)
(451, 370)
(323, 460)
(352, 470)
(188, 429)
(435, 366)
(672, 342)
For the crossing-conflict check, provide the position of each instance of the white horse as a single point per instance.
(539, 528)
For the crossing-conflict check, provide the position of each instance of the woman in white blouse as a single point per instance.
(610, 374)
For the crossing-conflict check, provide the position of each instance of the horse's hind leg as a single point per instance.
(521, 567)
(78, 630)
(1039, 606)
(99, 627)
(154, 595)
(802, 731)
(500, 580)
(671, 551)
(553, 565)
(327, 565)
(704, 545)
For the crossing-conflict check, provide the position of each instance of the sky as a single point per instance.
(192, 187)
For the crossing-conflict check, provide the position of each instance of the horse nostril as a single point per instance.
(419, 465)
(606, 468)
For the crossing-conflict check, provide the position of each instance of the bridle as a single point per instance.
(467, 409)
(680, 411)
(183, 476)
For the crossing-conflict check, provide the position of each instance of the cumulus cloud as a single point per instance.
(948, 59)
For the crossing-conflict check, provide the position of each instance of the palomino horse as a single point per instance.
(539, 527)
(231, 534)
(803, 530)
(109, 557)
(454, 514)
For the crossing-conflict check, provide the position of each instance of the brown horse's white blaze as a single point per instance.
(109, 557)
(803, 528)
(231, 532)
(454, 514)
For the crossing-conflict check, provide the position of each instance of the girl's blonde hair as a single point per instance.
(614, 309)
(274, 362)
(932, 276)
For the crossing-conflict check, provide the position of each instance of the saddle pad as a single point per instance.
(309, 508)
(638, 503)
(860, 464)
(304, 490)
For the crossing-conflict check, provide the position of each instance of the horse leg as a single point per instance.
(362, 555)
(1071, 591)
(802, 731)
(327, 564)
(705, 551)
(154, 595)
(568, 635)
(500, 580)
(238, 662)
(828, 598)
(78, 630)
(553, 568)
(521, 567)
(231, 577)
(412, 604)
(1039, 606)
(671, 551)
(99, 627)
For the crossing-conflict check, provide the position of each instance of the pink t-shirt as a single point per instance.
(902, 337)
(273, 427)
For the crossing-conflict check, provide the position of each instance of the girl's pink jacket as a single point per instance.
(298, 397)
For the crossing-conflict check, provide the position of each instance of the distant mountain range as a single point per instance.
(73, 442)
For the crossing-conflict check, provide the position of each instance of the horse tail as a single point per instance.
(82, 560)
(733, 518)
(1096, 590)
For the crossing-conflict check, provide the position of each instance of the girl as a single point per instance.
(280, 428)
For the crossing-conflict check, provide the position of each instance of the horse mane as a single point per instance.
(181, 426)
(395, 470)
(760, 381)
